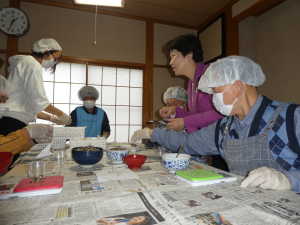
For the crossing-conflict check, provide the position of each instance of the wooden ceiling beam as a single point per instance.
(257, 9)
(90, 61)
(106, 12)
(103, 62)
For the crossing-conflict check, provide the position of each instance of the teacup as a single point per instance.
(116, 154)
(174, 161)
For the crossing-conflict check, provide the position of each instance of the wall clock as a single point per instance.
(13, 21)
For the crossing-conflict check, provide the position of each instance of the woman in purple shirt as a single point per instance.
(186, 58)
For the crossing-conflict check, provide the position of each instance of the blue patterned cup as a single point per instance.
(116, 154)
(173, 163)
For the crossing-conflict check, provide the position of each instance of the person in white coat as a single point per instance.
(3, 95)
(26, 93)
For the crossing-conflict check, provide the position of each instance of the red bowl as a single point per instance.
(134, 161)
(5, 160)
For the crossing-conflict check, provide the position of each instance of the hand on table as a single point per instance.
(267, 178)
(141, 134)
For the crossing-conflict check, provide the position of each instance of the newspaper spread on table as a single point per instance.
(109, 194)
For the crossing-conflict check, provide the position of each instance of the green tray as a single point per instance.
(198, 174)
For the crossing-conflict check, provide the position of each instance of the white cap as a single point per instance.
(229, 69)
(176, 92)
(88, 91)
(44, 45)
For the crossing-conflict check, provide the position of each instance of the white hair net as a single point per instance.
(88, 91)
(176, 92)
(229, 69)
(44, 45)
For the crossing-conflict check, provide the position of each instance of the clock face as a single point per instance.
(13, 21)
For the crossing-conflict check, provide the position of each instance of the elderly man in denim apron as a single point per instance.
(258, 138)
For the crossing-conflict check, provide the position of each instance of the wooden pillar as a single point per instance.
(232, 23)
(12, 42)
(231, 34)
(148, 74)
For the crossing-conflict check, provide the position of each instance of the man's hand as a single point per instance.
(267, 178)
(166, 111)
(176, 124)
(141, 134)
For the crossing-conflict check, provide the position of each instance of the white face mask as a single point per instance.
(218, 101)
(89, 104)
(48, 63)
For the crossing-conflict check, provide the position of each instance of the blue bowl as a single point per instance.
(88, 155)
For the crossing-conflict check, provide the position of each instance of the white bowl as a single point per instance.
(171, 162)
(116, 154)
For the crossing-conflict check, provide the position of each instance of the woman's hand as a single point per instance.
(176, 124)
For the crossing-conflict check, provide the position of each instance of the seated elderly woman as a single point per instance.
(258, 138)
(93, 118)
(177, 96)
